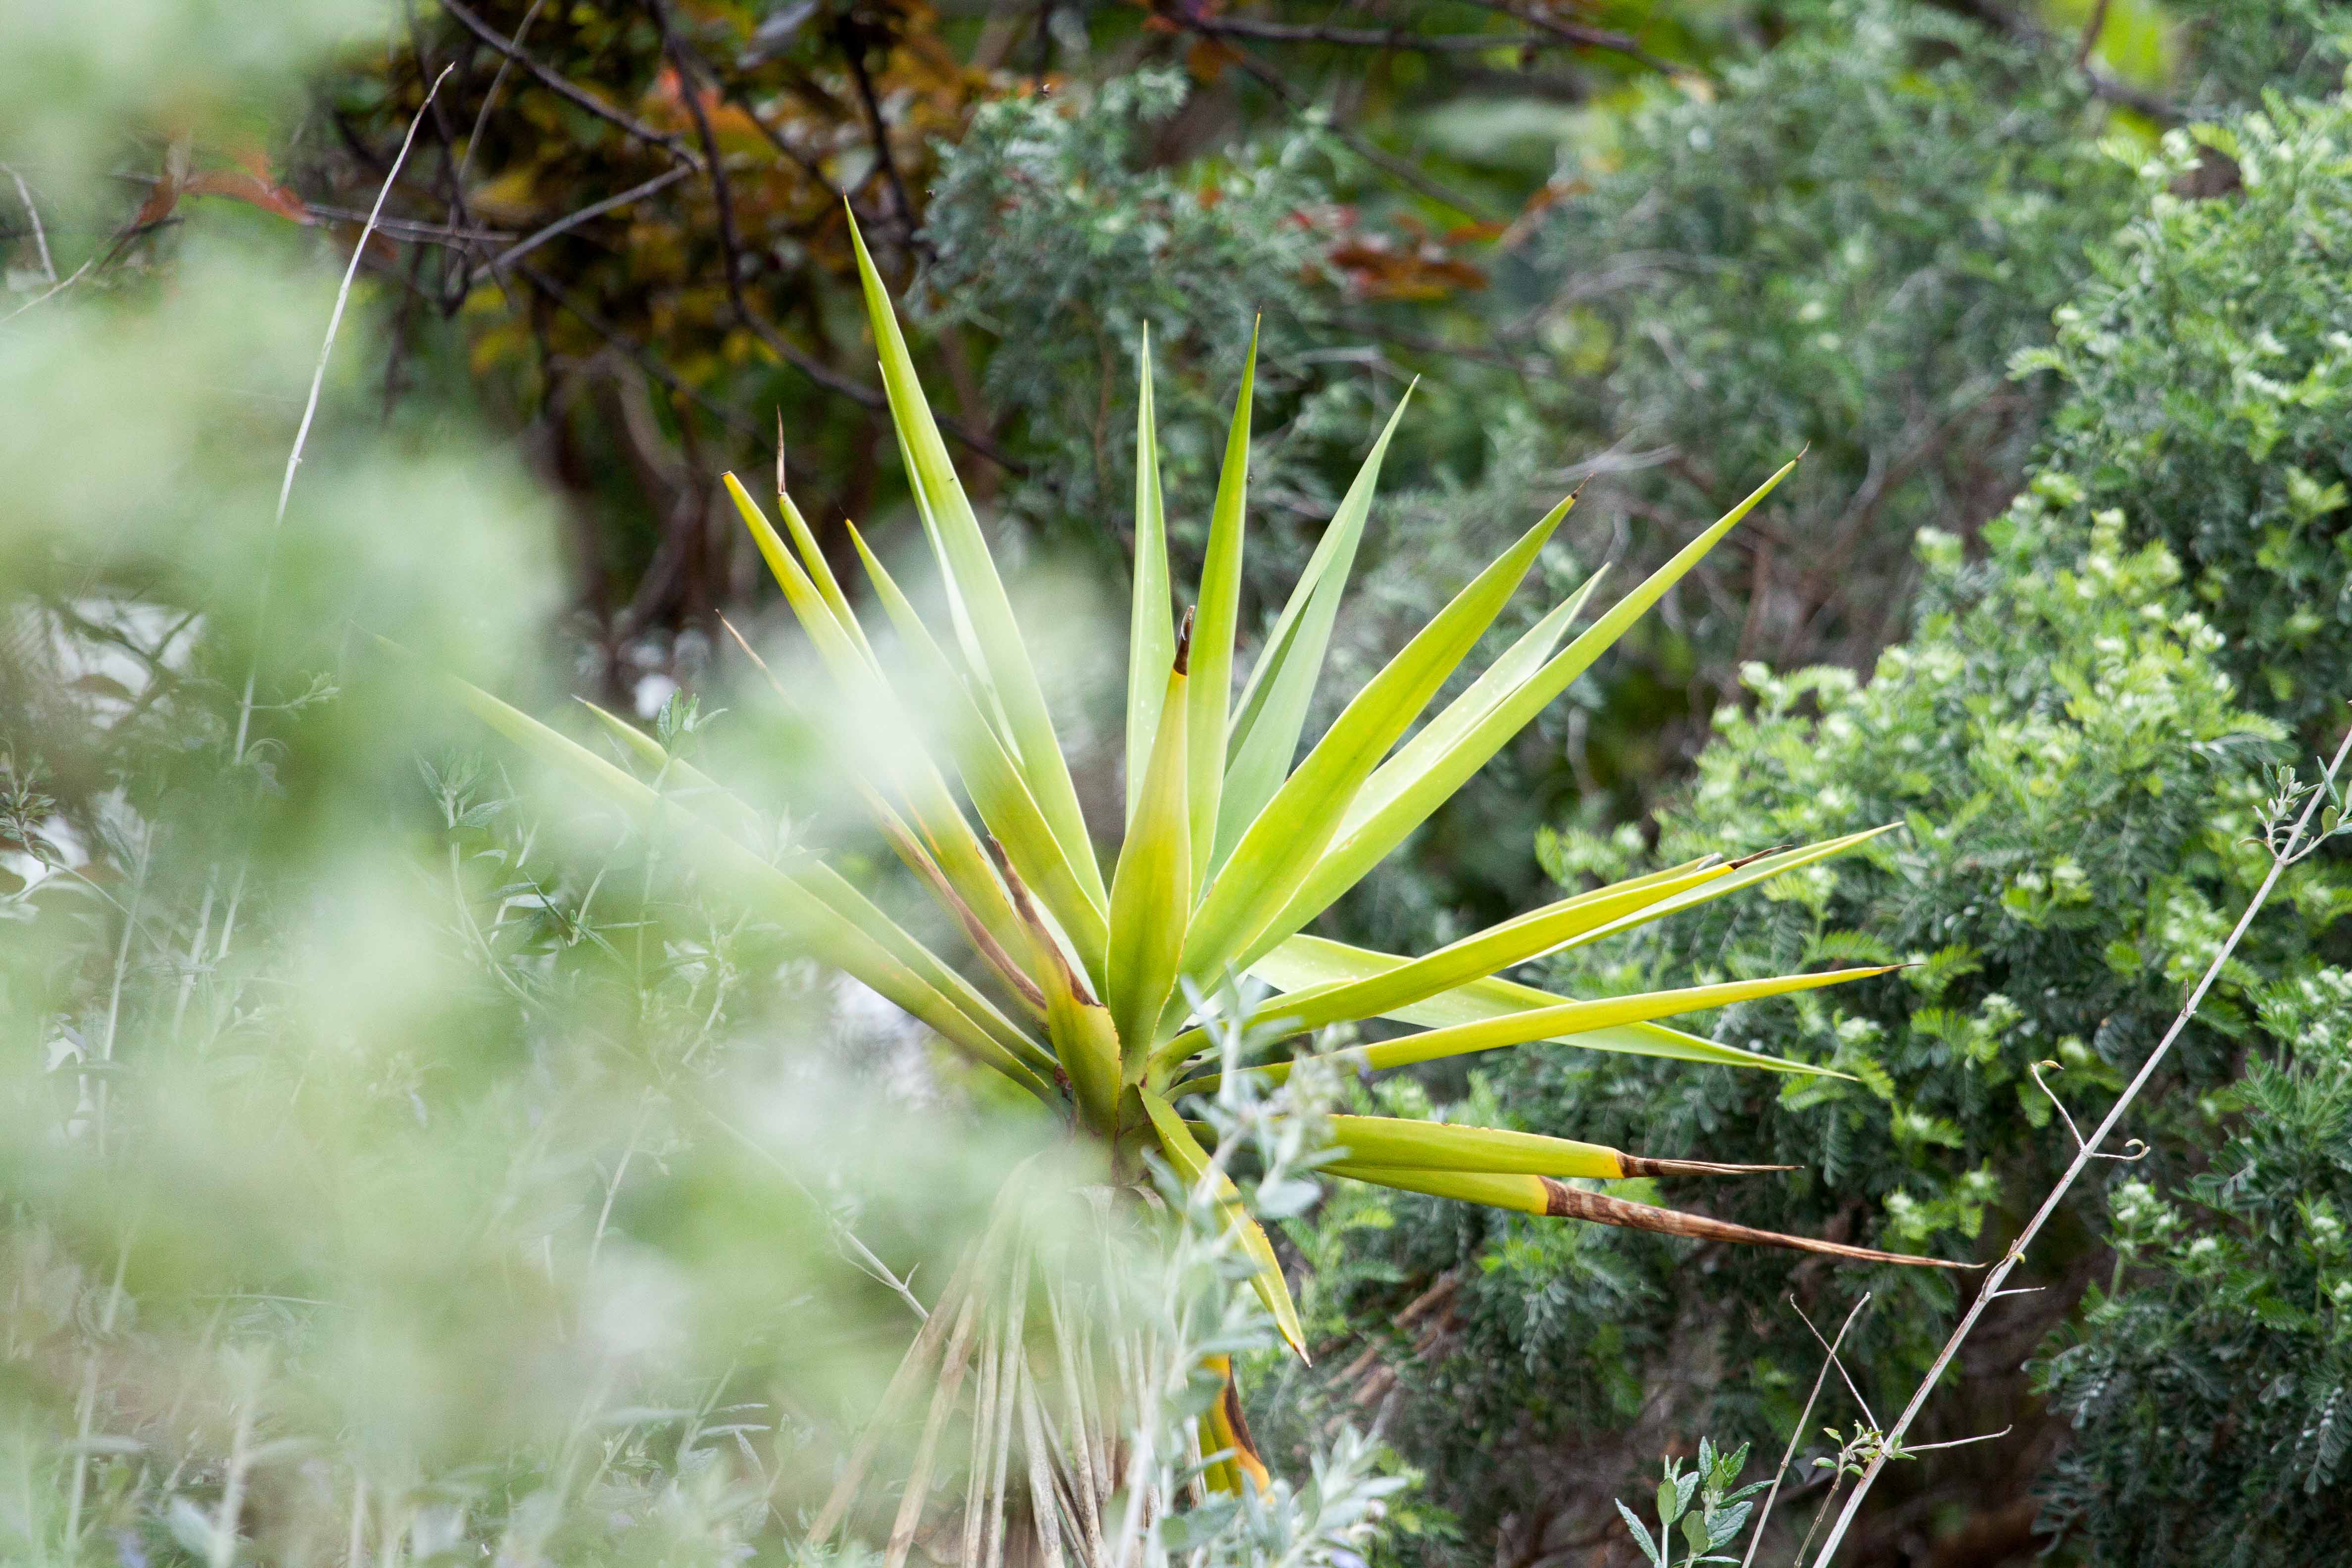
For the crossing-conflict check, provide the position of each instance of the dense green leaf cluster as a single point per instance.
(2211, 1385)
(2211, 1391)
(2076, 768)
(2073, 771)
(1838, 250)
(2211, 370)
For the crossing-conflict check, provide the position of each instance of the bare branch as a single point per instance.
(556, 83)
(318, 383)
(573, 220)
(1371, 37)
(1796, 1434)
(1397, 168)
(691, 69)
(40, 239)
(1536, 15)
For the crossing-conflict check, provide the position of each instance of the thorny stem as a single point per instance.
(2281, 858)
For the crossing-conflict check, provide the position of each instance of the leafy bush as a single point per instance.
(2210, 1382)
(398, 1164)
(2077, 769)
(2030, 704)
(1838, 250)
(2211, 373)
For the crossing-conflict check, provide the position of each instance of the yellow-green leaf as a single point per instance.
(775, 894)
(1151, 641)
(1475, 957)
(1193, 1165)
(1415, 790)
(1217, 613)
(1152, 892)
(1282, 686)
(964, 560)
(908, 769)
(998, 792)
(1277, 850)
(1557, 1018)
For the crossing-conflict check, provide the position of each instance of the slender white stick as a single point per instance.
(51, 291)
(318, 383)
(40, 239)
(2280, 860)
(1797, 1437)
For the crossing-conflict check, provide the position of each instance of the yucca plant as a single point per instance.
(1088, 973)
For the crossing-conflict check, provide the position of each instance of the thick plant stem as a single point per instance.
(2281, 857)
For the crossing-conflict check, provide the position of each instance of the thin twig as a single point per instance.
(310, 406)
(1539, 17)
(730, 242)
(690, 68)
(482, 115)
(1397, 168)
(853, 49)
(555, 82)
(638, 353)
(1804, 1418)
(1372, 37)
(573, 220)
(2083, 1156)
(54, 289)
(232, 1504)
(89, 1411)
(859, 1253)
(2091, 28)
(1830, 1350)
(40, 239)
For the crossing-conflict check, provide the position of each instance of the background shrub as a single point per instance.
(2077, 768)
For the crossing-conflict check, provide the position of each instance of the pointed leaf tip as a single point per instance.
(1643, 1165)
(1564, 1201)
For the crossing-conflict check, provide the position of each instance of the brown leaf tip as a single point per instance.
(1643, 1165)
(1564, 1201)
(1184, 644)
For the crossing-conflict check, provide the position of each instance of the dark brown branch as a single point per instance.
(691, 69)
(1538, 16)
(573, 220)
(853, 49)
(2101, 86)
(1397, 168)
(1370, 37)
(2093, 26)
(643, 358)
(730, 242)
(556, 83)
(454, 280)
